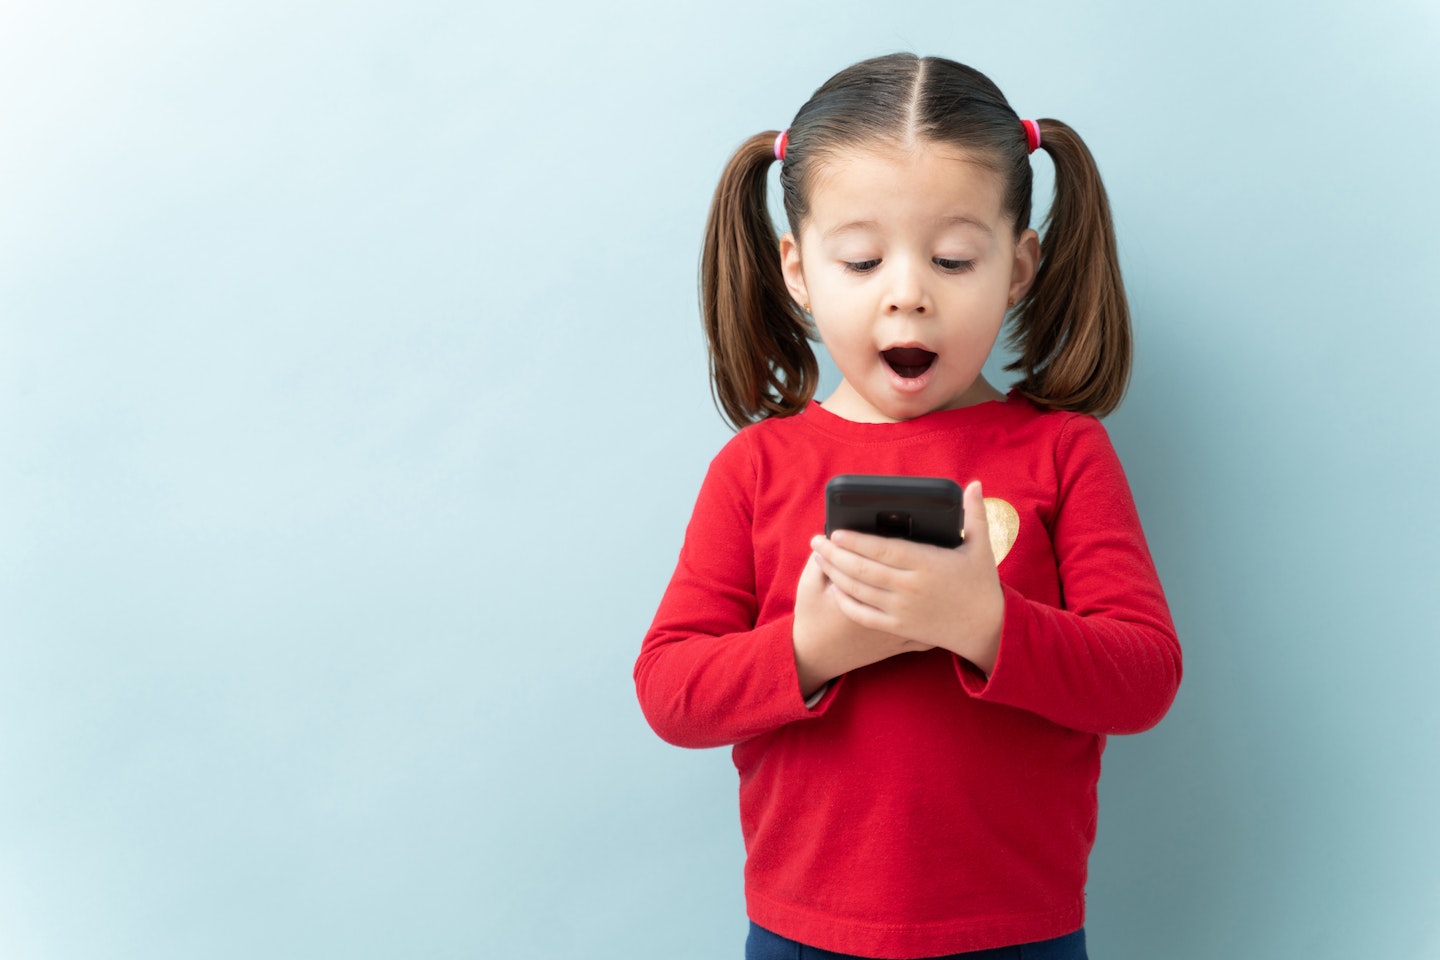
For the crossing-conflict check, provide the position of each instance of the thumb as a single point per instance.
(811, 576)
(977, 523)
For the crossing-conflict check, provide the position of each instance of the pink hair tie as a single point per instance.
(782, 140)
(1032, 134)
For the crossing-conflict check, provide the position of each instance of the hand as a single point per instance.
(926, 595)
(827, 642)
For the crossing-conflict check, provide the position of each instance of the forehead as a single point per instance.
(911, 184)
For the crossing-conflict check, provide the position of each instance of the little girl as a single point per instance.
(917, 729)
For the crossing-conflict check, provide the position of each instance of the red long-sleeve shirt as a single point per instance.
(920, 807)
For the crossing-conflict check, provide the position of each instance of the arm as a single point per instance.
(1106, 663)
(707, 674)
(1109, 662)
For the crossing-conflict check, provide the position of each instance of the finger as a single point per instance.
(837, 559)
(861, 614)
(812, 577)
(812, 568)
(867, 593)
(887, 551)
(977, 523)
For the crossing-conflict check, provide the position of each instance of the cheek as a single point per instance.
(990, 288)
(845, 342)
(987, 302)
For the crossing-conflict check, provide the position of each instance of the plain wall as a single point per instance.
(353, 400)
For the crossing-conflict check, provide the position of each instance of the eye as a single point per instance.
(861, 266)
(954, 266)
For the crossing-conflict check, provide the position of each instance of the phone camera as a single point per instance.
(892, 523)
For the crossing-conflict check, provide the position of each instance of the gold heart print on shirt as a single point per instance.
(1004, 523)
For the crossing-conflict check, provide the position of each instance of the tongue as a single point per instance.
(909, 362)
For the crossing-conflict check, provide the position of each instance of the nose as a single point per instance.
(909, 291)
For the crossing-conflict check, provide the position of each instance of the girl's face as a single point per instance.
(908, 264)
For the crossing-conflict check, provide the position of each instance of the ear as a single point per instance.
(790, 267)
(1027, 263)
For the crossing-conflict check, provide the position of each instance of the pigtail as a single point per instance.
(1072, 329)
(761, 363)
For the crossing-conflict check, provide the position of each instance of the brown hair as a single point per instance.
(1071, 329)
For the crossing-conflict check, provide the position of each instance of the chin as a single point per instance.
(906, 410)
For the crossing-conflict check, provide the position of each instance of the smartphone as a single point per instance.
(924, 509)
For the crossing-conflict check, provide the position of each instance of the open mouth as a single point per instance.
(908, 362)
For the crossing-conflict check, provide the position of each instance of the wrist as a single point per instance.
(984, 649)
(810, 675)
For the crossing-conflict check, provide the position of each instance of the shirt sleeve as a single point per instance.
(707, 674)
(1109, 661)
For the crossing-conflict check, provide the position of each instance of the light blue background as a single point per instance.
(353, 400)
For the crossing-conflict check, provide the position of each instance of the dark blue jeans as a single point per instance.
(764, 945)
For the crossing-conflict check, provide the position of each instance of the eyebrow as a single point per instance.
(871, 224)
